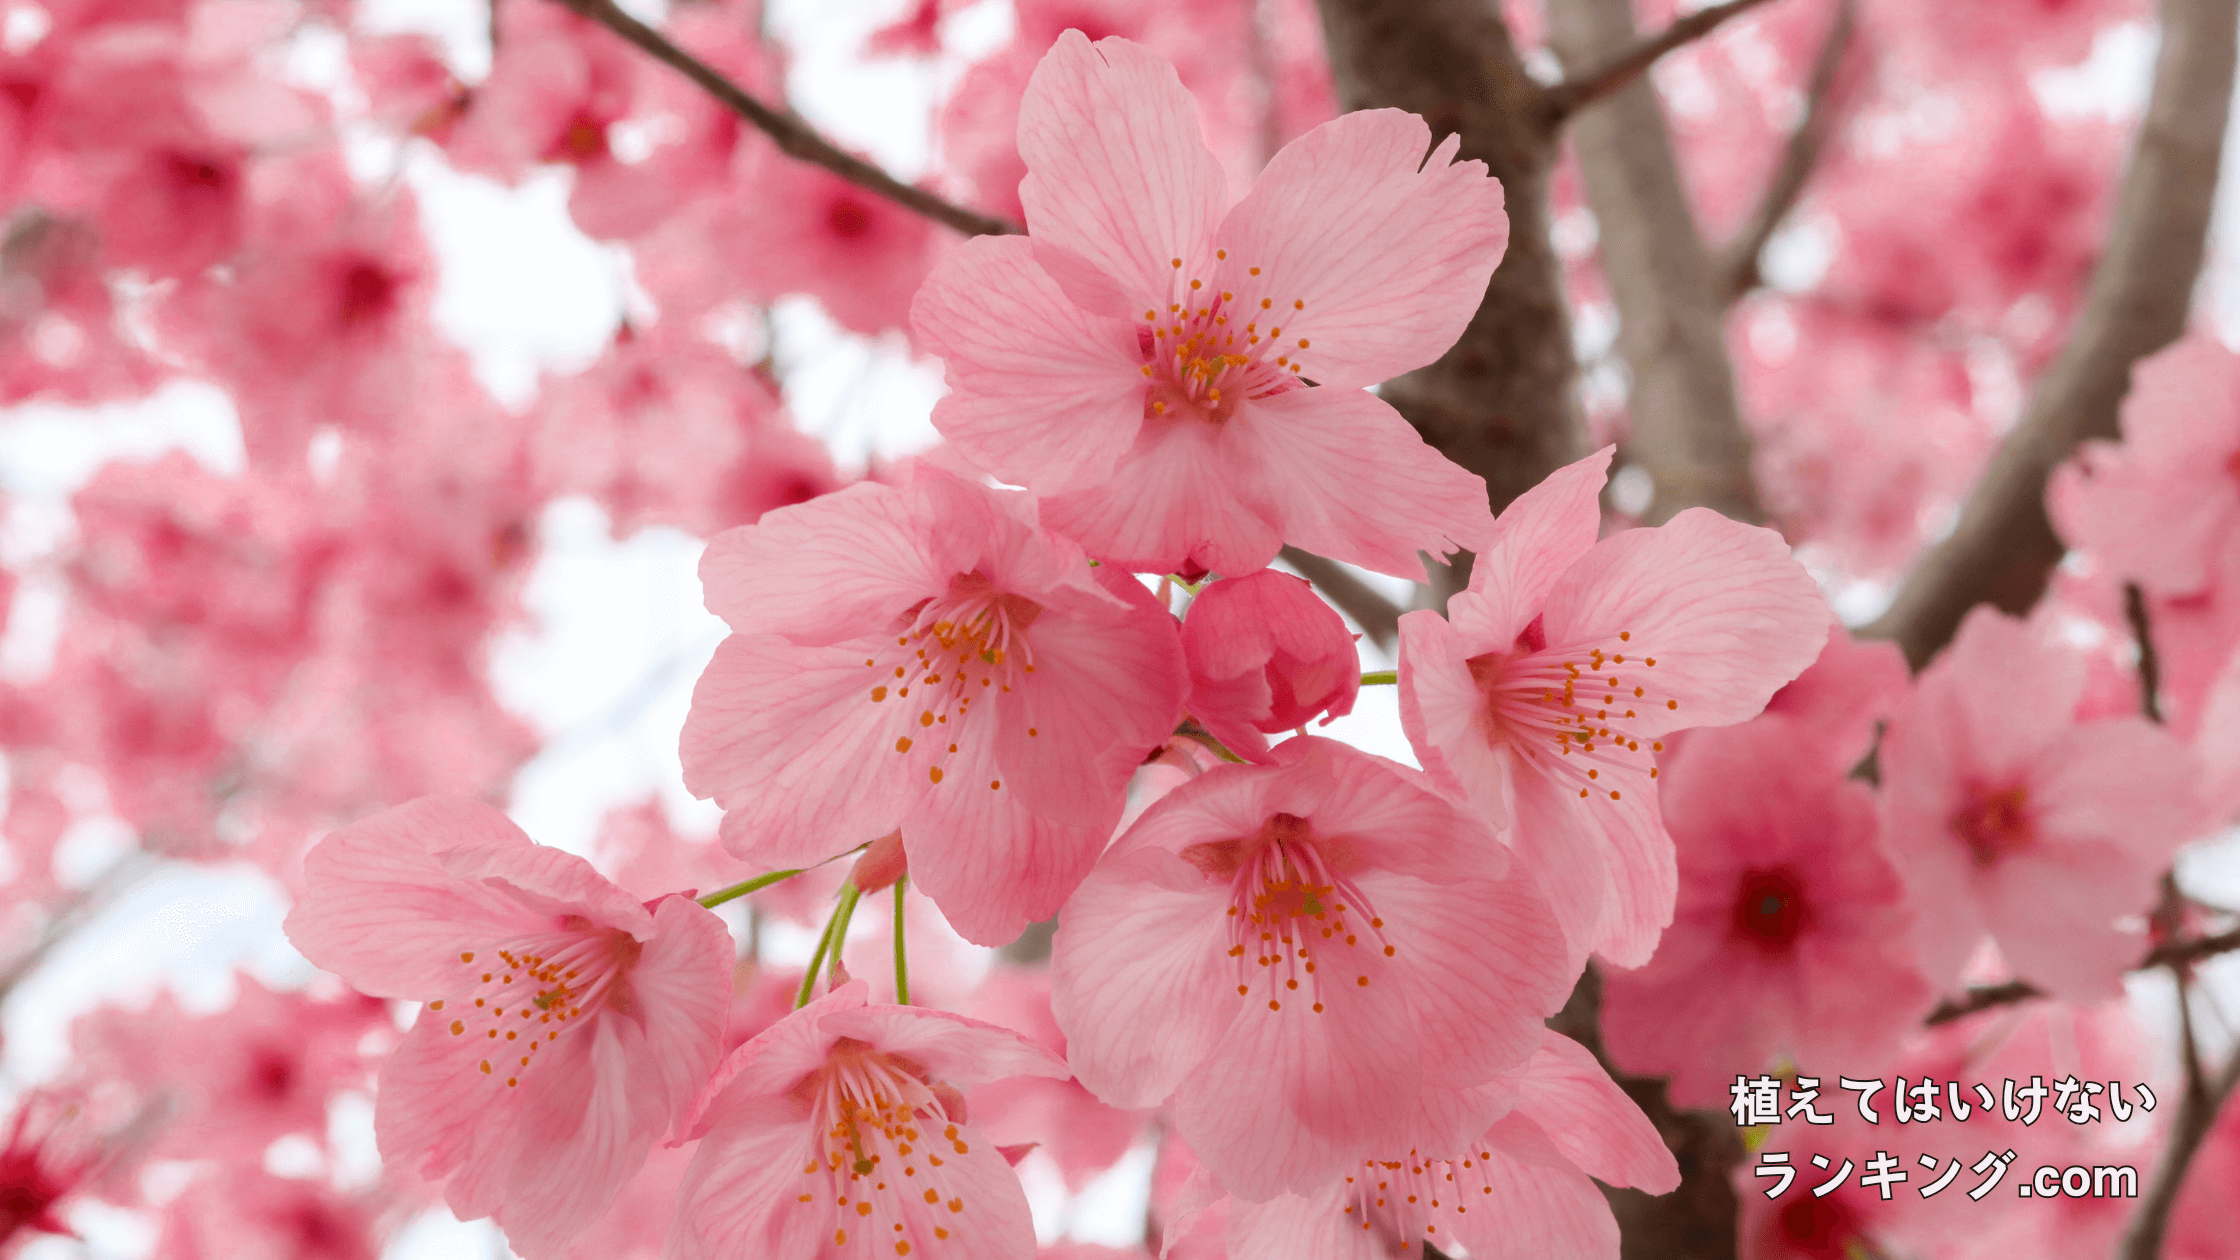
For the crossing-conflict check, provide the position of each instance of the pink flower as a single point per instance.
(1841, 701)
(840, 1132)
(1143, 359)
(2012, 820)
(567, 1025)
(2164, 506)
(1266, 656)
(921, 659)
(1308, 958)
(1524, 1187)
(1543, 696)
(1789, 940)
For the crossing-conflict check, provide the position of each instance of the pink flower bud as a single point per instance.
(883, 862)
(1265, 656)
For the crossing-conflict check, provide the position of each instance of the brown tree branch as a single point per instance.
(2150, 665)
(1606, 75)
(1738, 262)
(2003, 547)
(793, 137)
(2197, 1109)
(1687, 421)
(1378, 617)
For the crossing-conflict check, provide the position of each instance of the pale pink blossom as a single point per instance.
(1543, 697)
(1266, 656)
(1789, 941)
(1181, 376)
(1310, 959)
(1842, 699)
(2012, 820)
(2163, 507)
(567, 1026)
(840, 1132)
(987, 690)
(1523, 1187)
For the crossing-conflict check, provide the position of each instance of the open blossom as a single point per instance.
(1523, 1187)
(840, 1132)
(567, 1026)
(2162, 507)
(1181, 378)
(1542, 698)
(1789, 941)
(2013, 820)
(1311, 959)
(922, 659)
(1266, 656)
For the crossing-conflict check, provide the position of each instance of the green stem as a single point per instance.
(840, 917)
(809, 978)
(757, 884)
(1380, 677)
(901, 955)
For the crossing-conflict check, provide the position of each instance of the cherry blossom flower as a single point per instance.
(2163, 507)
(1143, 359)
(1790, 939)
(2012, 820)
(989, 691)
(1543, 697)
(840, 1132)
(1311, 959)
(1524, 1187)
(567, 1025)
(1266, 656)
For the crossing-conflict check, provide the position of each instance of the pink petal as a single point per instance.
(1590, 1120)
(1482, 962)
(1442, 712)
(380, 908)
(1542, 532)
(1374, 512)
(963, 1052)
(769, 720)
(1300, 1227)
(1187, 495)
(775, 1059)
(1141, 977)
(740, 1194)
(681, 997)
(1390, 252)
(992, 864)
(1118, 172)
(1536, 1210)
(1723, 608)
(1042, 394)
(1288, 1099)
(826, 569)
(2218, 742)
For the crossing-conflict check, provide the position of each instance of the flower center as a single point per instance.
(1769, 908)
(1402, 1195)
(1994, 823)
(1213, 348)
(880, 1132)
(1288, 913)
(518, 997)
(1567, 709)
(968, 643)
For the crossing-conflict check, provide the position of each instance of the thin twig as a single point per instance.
(1738, 263)
(1568, 97)
(2197, 1109)
(1378, 617)
(793, 137)
(2150, 665)
(1984, 997)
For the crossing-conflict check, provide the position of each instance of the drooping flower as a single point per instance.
(1523, 1187)
(1311, 959)
(2013, 820)
(1182, 378)
(567, 1026)
(840, 1132)
(1790, 938)
(1266, 656)
(921, 659)
(1543, 697)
